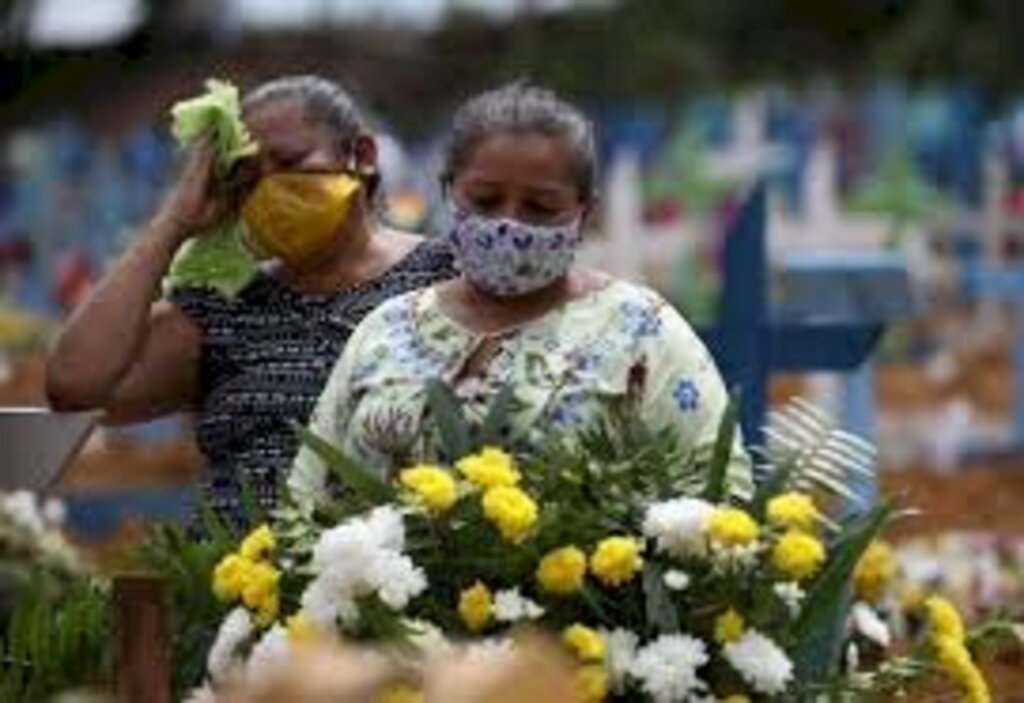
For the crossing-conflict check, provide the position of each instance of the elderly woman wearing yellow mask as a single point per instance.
(251, 364)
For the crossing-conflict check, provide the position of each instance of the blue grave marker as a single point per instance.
(750, 341)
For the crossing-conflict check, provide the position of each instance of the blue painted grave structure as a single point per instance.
(831, 314)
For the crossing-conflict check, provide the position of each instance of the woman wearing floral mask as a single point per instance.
(520, 178)
(252, 364)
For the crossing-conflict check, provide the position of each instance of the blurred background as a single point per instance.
(888, 136)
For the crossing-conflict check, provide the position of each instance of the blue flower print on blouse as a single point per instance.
(687, 395)
(639, 320)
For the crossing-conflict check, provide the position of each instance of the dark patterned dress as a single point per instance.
(266, 356)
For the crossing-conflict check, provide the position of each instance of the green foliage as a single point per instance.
(56, 640)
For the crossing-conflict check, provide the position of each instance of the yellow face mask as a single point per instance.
(294, 216)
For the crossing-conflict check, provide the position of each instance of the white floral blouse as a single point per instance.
(564, 368)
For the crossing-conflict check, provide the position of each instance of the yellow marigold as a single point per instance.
(944, 619)
(591, 683)
(260, 585)
(476, 607)
(616, 560)
(229, 577)
(587, 644)
(258, 544)
(490, 468)
(731, 527)
(729, 627)
(794, 511)
(401, 693)
(798, 555)
(874, 572)
(561, 571)
(432, 486)
(267, 609)
(300, 628)
(511, 510)
(955, 661)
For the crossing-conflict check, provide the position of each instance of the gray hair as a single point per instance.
(324, 102)
(520, 108)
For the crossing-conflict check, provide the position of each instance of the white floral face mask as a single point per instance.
(506, 257)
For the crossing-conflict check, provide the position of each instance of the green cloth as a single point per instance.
(216, 258)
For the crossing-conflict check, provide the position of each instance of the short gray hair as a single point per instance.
(520, 108)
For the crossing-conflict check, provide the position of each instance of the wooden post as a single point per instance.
(141, 646)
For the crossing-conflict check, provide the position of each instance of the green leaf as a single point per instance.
(716, 488)
(451, 423)
(497, 417)
(367, 485)
(817, 633)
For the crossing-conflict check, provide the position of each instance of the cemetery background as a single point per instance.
(895, 148)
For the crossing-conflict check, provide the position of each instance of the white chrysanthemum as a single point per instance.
(359, 558)
(676, 580)
(236, 629)
(667, 668)
(729, 560)
(21, 508)
(791, 595)
(326, 601)
(268, 656)
(396, 579)
(761, 663)
(512, 606)
(867, 622)
(621, 647)
(678, 526)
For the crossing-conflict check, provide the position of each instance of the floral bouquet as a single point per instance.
(658, 582)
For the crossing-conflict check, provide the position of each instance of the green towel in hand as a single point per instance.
(215, 258)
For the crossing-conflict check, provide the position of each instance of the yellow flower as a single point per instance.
(260, 586)
(616, 560)
(584, 642)
(259, 544)
(944, 619)
(229, 577)
(300, 628)
(489, 469)
(267, 609)
(731, 527)
(794, 511)
(561, 571)
(401, 693)
(955, 661)
(729, 627)
(591, 683)
(511, 510)
(476, 607)
(434, 486)
(874, 572)
(798, 555)
(736, 698)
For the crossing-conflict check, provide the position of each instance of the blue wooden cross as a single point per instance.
(748, 344)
